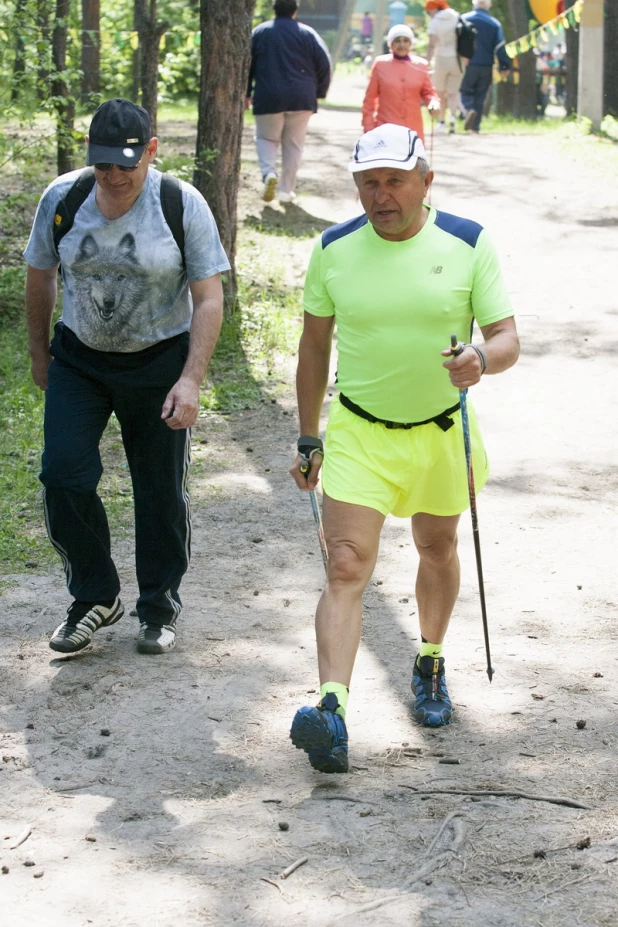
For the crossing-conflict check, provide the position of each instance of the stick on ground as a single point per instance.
(499, 793)
(22, 837)
(296, 865)
(272, 882)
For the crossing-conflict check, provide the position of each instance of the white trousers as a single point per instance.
(287, 130)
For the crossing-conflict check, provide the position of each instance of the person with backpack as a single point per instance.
(478, 77)
(141, 263)
(448, 70)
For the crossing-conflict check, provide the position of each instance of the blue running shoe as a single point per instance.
(432, 705)
(322, 734)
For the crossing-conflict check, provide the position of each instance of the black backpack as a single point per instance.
(466, 38)
(171, 204)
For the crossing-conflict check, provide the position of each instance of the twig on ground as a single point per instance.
(74, 788)
(499, 793)
(296, 865)
(458, 834)
(357, 801)
(564, 885)
(580, 845)
(22, 837)
(272, 882)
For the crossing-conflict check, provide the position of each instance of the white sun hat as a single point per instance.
(387, 146)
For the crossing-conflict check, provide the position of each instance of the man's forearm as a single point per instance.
(205, 328)
(41, 295)
(311, 383)
(501, 349)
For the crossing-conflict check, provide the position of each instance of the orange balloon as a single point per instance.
(544, 10)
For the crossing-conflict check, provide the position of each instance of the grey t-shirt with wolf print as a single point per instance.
(125, 287)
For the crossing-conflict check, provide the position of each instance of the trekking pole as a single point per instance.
(457, 349)
(430, 155)
(315, 507)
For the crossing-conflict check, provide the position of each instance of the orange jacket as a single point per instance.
(396, 88)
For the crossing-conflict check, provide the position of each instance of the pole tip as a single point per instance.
(490, 673)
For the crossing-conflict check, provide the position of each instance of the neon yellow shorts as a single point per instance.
(400, 472)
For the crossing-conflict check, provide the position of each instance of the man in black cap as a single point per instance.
(141, 313)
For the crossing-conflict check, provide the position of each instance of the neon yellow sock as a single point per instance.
(342, 692)
(430, 650)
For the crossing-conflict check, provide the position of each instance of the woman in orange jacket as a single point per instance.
(398, 84)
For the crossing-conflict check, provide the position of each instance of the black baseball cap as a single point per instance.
(119, 132)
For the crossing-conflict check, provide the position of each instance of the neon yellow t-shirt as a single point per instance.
(396, 305)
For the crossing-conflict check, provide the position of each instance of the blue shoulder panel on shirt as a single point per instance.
(465, 229)
(344, 228)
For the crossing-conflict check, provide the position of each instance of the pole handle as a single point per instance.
(456, 347)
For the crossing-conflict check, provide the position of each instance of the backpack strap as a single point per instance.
(66, 209)
(171, 204)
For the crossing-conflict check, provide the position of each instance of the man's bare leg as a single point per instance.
(437, 580)
(352, 535)
(437, 586)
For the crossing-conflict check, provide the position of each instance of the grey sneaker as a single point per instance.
(154, 639)
(81, 622)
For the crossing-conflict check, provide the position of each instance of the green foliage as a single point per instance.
(609, 128)
(21, 537)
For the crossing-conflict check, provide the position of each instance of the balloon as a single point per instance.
(544, 10)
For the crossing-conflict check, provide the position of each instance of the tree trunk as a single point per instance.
(572, 71)
(19, 63)
(43, 46)
(225, 58)
(139, 16)
(610, 71)
(150, 33)
(91, 44)
(524, 92)
(63, 100)
(343, 32)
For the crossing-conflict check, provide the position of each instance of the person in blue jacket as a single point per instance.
(290, 71)
(478, 76)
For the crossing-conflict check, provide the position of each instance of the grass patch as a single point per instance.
(255, 343)
(22, 536)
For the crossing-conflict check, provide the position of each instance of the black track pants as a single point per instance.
(84, 388)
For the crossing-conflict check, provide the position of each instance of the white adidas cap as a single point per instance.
(387, 146)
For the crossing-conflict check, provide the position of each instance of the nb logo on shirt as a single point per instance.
(436, 269)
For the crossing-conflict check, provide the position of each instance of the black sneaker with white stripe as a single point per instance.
(82, 620)
(155, 639)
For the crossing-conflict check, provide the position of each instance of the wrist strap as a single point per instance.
(308, 446)
(481, 355)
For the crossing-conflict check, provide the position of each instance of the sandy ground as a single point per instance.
(158, 789)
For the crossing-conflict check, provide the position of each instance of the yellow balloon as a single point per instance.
(544, 10)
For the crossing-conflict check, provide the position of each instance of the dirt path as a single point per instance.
(185, 793)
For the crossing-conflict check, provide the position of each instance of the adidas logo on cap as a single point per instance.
(381, 144)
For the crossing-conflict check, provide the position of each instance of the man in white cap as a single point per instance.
(397, 282)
